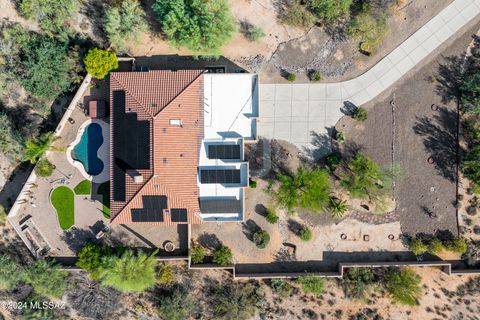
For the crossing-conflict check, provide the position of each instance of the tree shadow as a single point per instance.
(294, 226)
(321, 146)
(279, 158)
(249, 228)
(348, 108)
(441, 140)
(76, 238)
(209, 241)
(261, 210)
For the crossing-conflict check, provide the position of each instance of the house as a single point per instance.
(176, 145)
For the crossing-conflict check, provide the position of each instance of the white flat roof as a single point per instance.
(228, 105)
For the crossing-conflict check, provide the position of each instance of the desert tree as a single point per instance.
(203, 27)
(11, 272)
(35, 147)
(177, 305)
(129, 272)
(124, 21)
(331, 10)
(308, 188)
(52, 15)
(10, 141)
(100, 62)
(47, 278)
(404, 286)
(368, 28)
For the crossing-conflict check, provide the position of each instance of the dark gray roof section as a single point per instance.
(220, 206)
(220, 176)
(224, 151)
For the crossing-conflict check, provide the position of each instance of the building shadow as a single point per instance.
(177, 62)
(440, 139)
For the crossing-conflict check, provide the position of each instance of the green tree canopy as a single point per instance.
(35, 147)
(364, 178)
(10, 141)
(52, 15)
(47, 278)
(235, 301)
(202, 26)
(176, 306)
(469, 90)
(404, 286)
(369, 29)
(130, 272)
(124, 22)
(307, 188)
(223, 256)
(90, 258)
(470, 164)
(41, 65)
(331, 10)
(11, 272)
(44, 168)
(100, 62)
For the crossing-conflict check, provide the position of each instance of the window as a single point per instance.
(176, 122)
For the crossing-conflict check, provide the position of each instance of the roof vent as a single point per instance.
(136, 176)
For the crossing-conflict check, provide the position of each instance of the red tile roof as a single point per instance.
(161, 96)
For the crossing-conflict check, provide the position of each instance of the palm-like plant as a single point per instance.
(35, 147)
(337, 207)
(130, 272)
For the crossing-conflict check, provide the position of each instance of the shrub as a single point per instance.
(309, 189)
(315, 76)
(235, 300)
(52, 15)
(457, 245)
(271, 215)
(333, 160)
(180, 21)
(83, 188)
(331, 10)
(298, 16)
(435, 247)
(403, 286)
(47, 279)
(311, 284)
(357, 280)
(252, 184)
(340, 137)
(364, 178)
(129, 272)
(368, 29)
(337, 207)
(44, 168)
(10, 141)
(166, 275)
(251, 32)
(360, 114)
(469, 92)
(44, 67)
(291, 77)
(418, 247)
(100, 62)
(90, 258)
(261, 239)
(176, 306)
(223, 256)
(11, 272)
(281, 287)
(197, 254)
(124, 22)
(306, 234)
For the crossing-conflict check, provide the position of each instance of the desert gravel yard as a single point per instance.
(425, 144)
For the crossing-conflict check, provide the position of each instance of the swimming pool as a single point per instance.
(86, 151)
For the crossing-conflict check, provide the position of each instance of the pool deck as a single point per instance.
(37, 217)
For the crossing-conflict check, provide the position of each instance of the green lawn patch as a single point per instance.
(63, 201)
(83, 188)
(104, 191)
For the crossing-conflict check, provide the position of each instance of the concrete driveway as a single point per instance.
(303, 114)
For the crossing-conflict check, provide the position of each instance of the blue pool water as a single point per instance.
(86, 150)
